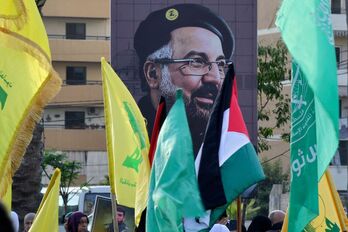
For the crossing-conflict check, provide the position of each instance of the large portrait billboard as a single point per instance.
(158, 46)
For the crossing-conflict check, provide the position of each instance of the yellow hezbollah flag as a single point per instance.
(7, 199)
(127, 143)
(27, 81)
(331, 213)
(46, 218)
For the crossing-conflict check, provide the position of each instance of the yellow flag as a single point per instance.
(27, 81)
(46, 218)
(331, 213)
(127, 143)
(7, 199)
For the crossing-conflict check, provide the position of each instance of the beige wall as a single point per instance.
(77, 8)
(79, 50)
(280, 149)
(75, 140)
(84, 94)
(266, 13)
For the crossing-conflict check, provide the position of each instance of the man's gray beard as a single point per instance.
(168, 90)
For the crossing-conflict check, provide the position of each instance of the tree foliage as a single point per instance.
(69, 173)
(272, 70)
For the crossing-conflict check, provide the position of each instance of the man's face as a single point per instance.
(120, 217)
(27, 224)
(199, 91)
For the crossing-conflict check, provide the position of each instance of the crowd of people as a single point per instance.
(9, 222)
(78, 222)
(260, 223)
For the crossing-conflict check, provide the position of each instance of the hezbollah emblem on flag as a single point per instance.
(3, 93)
(322, 222)
(133, 160)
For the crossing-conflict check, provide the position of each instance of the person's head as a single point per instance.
(15, 220)
(78, 222)
(28, 221)
(65, 220)
(276, 216)
(259, 224)
(175, 46)
(120, 215)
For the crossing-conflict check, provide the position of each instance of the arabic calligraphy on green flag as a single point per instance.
(306, 29)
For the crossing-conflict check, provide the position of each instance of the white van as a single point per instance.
(81, 199)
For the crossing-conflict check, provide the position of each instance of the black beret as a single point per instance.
(154, 31)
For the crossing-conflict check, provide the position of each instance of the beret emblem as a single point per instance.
(172, 14)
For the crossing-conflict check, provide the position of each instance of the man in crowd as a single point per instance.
(28, 221)
(184, 46)
(120, 218)
(277, 218)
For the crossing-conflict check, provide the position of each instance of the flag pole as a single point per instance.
(239, 218)
(114, 212)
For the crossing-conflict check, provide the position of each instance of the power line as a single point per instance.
(283, 153)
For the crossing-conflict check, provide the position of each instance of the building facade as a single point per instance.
(268, 34)
(79, 35)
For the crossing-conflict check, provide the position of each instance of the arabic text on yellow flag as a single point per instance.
(46, 218)
(127, 143)
(27, 81)
(331, 213)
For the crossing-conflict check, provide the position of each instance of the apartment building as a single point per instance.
(79, 35)
(269, 34)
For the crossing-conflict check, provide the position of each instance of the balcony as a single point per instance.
(87, 37)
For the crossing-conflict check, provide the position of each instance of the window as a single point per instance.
(75, 75)
(343, 152)
(336, 6)
(74, 120)
(338, 55)
(75, 31)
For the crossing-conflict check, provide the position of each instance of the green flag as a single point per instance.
(173, 190)
(307, 31)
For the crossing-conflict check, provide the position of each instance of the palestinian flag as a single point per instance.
(227, 162)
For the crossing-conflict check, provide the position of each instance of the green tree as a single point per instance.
(69, 173)
(274, 175)
(272, 70)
